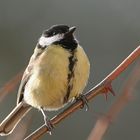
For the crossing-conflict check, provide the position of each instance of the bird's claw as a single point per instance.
(84, 100)
(47, 121)
(49, 125)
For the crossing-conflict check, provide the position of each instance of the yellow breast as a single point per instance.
(48, 84)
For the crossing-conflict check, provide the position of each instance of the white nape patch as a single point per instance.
(45, 41)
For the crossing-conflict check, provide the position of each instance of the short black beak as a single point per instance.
(71, 31)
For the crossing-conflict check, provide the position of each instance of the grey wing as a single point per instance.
(25, 78)
(28, 72)
(23, 83)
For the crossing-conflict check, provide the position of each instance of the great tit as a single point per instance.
(57, 72)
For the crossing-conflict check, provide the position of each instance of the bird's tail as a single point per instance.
(10, 122)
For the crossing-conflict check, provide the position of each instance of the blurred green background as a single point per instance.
(108, 31)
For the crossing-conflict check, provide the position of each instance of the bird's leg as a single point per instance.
(84, 100)
(47, 121)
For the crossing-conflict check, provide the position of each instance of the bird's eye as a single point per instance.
(54, 33)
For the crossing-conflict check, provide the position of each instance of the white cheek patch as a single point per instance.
(45, 41)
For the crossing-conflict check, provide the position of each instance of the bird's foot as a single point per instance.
(47, 121)
(49, 125)
(84, 100)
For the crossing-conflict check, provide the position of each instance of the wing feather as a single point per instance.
(28, 72)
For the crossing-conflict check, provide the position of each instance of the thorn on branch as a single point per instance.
(108, 89)
(90, 94)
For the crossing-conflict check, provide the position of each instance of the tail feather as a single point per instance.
(11, 121)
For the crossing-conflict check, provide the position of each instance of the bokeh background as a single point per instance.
(108, 30)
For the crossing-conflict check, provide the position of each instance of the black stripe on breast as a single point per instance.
(72, 62)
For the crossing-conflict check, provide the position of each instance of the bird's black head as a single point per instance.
(59, 34)
(56, 29)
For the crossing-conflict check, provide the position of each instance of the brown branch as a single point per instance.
(10, 86)
(98, 89)
(127, 94)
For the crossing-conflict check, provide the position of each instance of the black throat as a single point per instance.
(68, 43)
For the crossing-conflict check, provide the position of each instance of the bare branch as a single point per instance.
(98, 89)
(127, 94)
(10, 86)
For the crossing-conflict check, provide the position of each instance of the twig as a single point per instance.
(98, 89)
(127, 94)
(10, 86)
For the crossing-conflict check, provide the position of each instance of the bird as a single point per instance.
(57, 73)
